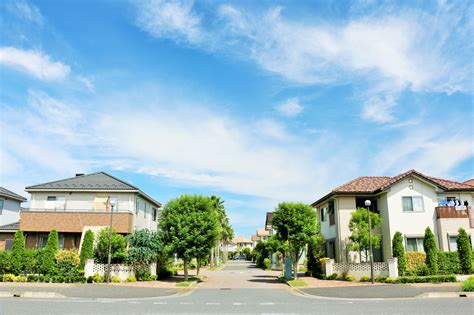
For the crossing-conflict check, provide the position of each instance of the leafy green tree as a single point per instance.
(247, 252)
(87, 248)
(359, 227)
(399, 252)
(5, 262)
(189, 226)
(261, 252)
(144, 248)
(18, 253)
(31, 261)
(48, 261)
(431, 250)
(295, 224)
(117, 249)
(315, 253)
(464, 251)
(226, 233)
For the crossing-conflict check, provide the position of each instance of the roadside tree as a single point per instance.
(359, 227)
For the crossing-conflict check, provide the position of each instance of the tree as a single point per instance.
(261, 252)
(431, 250)
(315, 253)
(295, 224)
(464, 251)
(226, 233)
(359, 227)
(117, 246)
(399, 252)
(144, 248)
(189, 226)
(87, 248)
(48, 260)
(18, 253)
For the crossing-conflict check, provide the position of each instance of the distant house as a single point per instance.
(10, 204)
(242, 242)
(73, 205)
(408, 203)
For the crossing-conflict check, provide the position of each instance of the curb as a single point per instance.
(31, 294)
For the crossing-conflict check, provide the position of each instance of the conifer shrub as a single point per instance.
(48, 260)
(431, 250)
(87, 248)
(18, 253)
(464, 251)
(399, 252)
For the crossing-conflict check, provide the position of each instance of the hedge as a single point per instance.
(448, 263)
(427, 279)
(414, 260)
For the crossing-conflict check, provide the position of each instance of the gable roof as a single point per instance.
(262, 232)
(241, 239)
(254, 238)
(469, 182)
(99, 181)
(11, 195)
(374, 184)
(10, 227)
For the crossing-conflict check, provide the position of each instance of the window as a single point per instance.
(61, 241)
(332, 219)
(331, 249)
(414, 244)
(360, 203)
(144, 211)
(412, 204)
(8, 244)
(43, 239)
(60, 203)
(453, 245)
(323, 214)
(51, 198)
(137, 207)
(1, 205)
(154, 213)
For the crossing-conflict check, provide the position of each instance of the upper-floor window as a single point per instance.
(154, 214)
(51, 198)
(137, 207)
(56, 202)
(414, 244)
(332, 217)
(412, 204)
(1, 205)
(323, 214)
(144, 210)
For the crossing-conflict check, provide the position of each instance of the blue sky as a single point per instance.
(256, 102)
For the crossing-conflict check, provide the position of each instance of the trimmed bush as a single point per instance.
(96, 278)
(31, 261)
(5, 262)
(87, 248)
(448, 263)
(349, 278)
(9, 277)
(21, 278)
(67, 262)
(131, 279)
(464, 251)
(431, 250)
(391, 280)
(468, 285)
(414, 260)
(115, 279)
(18, 253)
(332, 277)
(427, 279)
(32, 278)
(266, 263)
(48, 262)
(364, 278)
(399, 252)
(380, 278)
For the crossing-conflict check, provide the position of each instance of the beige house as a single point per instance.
(261, 235)
(242, 242)
(407, 203)
(74, 205)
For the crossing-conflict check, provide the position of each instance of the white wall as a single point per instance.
(143, 218)
(10, 212)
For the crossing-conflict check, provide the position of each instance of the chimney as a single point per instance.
(79, 174)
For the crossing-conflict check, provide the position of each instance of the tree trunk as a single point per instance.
(185, 261)
(295, 267)
(198, 267)
(211, 263)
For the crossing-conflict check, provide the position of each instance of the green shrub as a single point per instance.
(32, 278)
(464, 251)
(380, 278)
(118, 245)
(349, 278)
(399, 252)
(58, 279)
(391, 280)
(87, 248)
(448, 263)
(414, 260)
(131, 279)
(266, 263)
(427, 279)
(143, 276)
(96, 278)
(9, 277)
(67, 262)
(468, 285)
(332, 277)
(5, 262)
(48, 262)
(20, 278)
(431, 250)
(364, 278)
(18, 253)
(31, 261)
(115, 279)
(90, 279)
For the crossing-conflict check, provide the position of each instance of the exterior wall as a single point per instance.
(344, 206)
(10, 211)
(143, 214)
(449, 227)
(71, 240)
(412, 223)
(5, 236)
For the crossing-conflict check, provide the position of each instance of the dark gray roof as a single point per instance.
(10, 227)
(10, 194)
(100, 181)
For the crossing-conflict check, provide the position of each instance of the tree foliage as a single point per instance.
(144, 247)
(464, 251)
(48, 261)
(399, 252)
(359, 227)
(87, 248)
(295, 224)
(18, 253)
(431, 250)
(315, 253)
(225, 231)
(118, 245)
(189, 226)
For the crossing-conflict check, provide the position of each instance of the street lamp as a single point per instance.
(367, 204)
(109, 258)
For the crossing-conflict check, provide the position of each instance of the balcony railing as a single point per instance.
(452, 212)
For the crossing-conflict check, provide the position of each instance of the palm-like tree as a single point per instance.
(226, 233)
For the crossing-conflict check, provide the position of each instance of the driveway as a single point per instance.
(242, 275)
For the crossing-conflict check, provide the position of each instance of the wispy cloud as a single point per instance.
(290, 107)
(34, 63)
(87, 82)
(25, 11)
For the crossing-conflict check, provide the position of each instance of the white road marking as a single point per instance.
(107, 301)
(160, 303)
(185, 303)
(238, 303)
(213, 303)
(133, 302)
(267, 303)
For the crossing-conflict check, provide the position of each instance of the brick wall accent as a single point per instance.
(45, 221)
(3, 237)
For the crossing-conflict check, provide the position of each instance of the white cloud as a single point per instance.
(34, 63)
(87, 82)
(290, 107)
(379, 108)
(173, 19)
(26, 11)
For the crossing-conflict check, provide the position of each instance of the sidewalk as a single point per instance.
(114, 291)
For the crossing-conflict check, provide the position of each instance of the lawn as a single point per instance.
(297, 283)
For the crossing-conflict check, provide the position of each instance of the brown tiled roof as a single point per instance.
(254, 238)
(364, 184)
(241, 239)
(469, 182)
(262, 232)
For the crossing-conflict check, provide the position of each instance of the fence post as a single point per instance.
(393, 267)
(329, 267)
(89, 267)
(153, 269)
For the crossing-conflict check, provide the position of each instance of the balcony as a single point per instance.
(452, 212)
(36, 220)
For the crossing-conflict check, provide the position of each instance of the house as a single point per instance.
(73, 205)
(10, 205)
(241, 243)
(268, 222)
(261, 235)
(407, 203)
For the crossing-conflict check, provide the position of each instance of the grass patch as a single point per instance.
(297, 283)
(184, 284)
(468, 285)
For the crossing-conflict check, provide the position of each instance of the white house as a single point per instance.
(10, 204)
(407, 203)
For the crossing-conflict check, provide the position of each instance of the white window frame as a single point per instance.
(449, 243)
(419, 244)
(413, 204)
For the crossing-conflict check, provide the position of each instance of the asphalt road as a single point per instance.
(222, 297)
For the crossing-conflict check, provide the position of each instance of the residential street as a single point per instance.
(238, 288)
